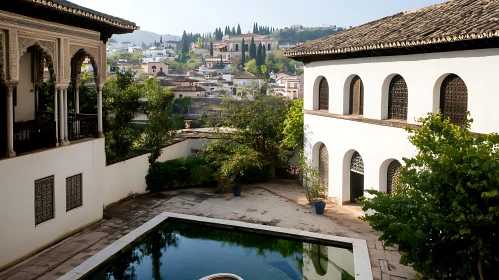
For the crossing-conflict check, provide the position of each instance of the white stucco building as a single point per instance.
(363, 86)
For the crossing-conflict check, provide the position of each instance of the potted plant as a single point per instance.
(233, 169)
(314, 191)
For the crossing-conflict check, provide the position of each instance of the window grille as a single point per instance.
(357, 164)
(324, 166)
(73, 192)
(44, 200)
(392, 175)
(356, 100)
(323, 95)
(397, 99)
(454, 99)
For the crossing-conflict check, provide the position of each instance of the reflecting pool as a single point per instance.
(183, 250)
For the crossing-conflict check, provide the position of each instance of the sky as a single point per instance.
(199, 16)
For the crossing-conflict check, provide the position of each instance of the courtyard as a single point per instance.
(279, 203)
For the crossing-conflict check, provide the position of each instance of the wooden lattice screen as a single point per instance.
(323, 95)
(397, 99)
(356, 101)
(454, 99)
(392, 175)
(324, 166)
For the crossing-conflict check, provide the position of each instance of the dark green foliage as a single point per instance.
(243, 54)
(294, 36)
(211, 48)
(238, 29)
(181, 172)
(121, 98)
(444, 213)
(252, 49)
(46, 92)
(259, 56)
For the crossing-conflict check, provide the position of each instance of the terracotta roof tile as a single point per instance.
(452, 21)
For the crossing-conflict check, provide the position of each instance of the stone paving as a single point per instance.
(280, 203)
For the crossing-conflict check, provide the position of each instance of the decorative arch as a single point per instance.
(76, 62)
(356, 177)
(46, 50)
(356, 97)
(323, 94)
(317, 86)
(398, 98)
(454, 99)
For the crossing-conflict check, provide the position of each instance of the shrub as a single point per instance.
(181, 172)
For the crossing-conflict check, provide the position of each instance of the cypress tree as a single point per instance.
(161, 40)
(256, 27)
(259, 55)
(233, 32)
(238, 29)
(211, 48)
(243, 54)
(252, 49)
(264, 54)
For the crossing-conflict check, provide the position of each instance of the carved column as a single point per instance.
(61, 117)
(66, 123)
(56, 118)
(10, 122)
(77, 101)
(99, 114)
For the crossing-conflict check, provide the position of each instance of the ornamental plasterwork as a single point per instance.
(103, 59)
(92, 52)
(66, 60)
(13, 56)
(18, 21)
(2, 54)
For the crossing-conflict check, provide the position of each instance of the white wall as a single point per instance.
(19, 236)
(379, 145)
(128, 177)
(423, 74)
(25, 109)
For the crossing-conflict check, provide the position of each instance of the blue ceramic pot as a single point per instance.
(319, 207)
(236, 190)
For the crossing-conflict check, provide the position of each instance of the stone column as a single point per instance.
(99, 114)
(10, 122)
(66, 123)
(56, 119)
(62, 119)
(77, 101)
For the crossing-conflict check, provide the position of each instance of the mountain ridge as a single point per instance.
(147, 37)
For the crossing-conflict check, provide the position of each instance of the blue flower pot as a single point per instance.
(319, 207)
(236, 190)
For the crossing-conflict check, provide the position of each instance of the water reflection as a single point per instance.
(177, 251)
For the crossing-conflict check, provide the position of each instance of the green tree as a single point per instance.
(161, 40)
(252, 49)
(211, 48)
(258, 124)
(121, 99)
(259, 56)
(251, 67)
(185, 43)
(294, 125)
(182, 105)
(444, 211)
(160, 129)
(199, 43)
(243, 54)
(238, 29)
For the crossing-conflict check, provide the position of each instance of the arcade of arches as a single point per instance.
(32, 118)
(356, 173)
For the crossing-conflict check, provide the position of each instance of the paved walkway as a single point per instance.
(280, 203)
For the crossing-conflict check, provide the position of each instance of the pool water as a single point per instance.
(182, 250)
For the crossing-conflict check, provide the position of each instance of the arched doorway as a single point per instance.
(356, 177)
(356, 100)
(392, 174)
(324, 167)
(454, 99)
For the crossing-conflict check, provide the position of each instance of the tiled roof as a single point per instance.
(452, 21)
(189, 89)
(246, 75)
(161, 74)
(166, 83)
(183, 79)
(70, 7)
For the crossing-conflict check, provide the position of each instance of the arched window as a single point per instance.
(391, 175)
(153, 67)
(397, 99)
(454, 99)
(356, 100)
(356, 177)
(357, 164)
(324, 166)
(323, 95)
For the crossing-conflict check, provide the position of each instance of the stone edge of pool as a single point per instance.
(362, 264)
